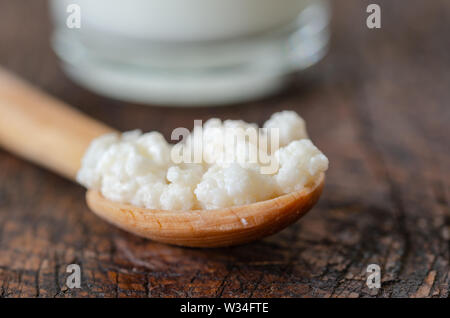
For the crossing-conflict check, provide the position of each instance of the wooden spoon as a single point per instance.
(50, 133)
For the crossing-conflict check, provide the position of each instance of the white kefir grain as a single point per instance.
(137, 168)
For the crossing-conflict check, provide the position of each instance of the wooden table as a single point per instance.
(378, 106)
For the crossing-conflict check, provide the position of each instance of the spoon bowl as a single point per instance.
(208, 228)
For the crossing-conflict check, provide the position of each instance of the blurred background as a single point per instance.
(377, 105)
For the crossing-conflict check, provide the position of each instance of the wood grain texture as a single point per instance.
(378, 106)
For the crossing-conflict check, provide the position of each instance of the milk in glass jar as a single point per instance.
(188, 52)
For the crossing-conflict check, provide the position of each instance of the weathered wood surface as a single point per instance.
(378, 106)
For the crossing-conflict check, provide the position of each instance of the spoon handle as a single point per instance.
(42, 129)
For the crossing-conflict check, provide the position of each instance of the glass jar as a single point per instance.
(189, 52)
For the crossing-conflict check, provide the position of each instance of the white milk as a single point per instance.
(199, 52)
(185, 20)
